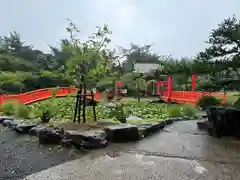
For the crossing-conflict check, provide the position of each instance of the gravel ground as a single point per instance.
(21, 155)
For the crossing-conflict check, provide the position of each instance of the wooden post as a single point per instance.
(94, 108)
(80, 104)
(84, 100)
(76, 106)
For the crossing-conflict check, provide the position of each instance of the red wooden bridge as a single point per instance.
(41, 94)
(181, 97)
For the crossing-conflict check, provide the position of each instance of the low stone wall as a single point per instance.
(91, 139)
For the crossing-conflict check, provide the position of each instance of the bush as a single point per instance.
(205, 101)
(117, 112)
(45, 111)
(174, 111)
(189, 111)
(22, 111)
(237, 103)
(8, 108)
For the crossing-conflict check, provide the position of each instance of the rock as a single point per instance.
(13, 123)
(150, 128)
(107, 111)
(133, 118)
(186, 118)
(67, 143)
(203, 125)
(24, 127)
(169, 121)
(2, 118)
(122, 133)
(88, 139)
(36, 129)
(94, 145)
(6, 122)
(145, 129)
(180, 118)
(50, 135)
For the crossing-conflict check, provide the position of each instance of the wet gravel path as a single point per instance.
(21, 155)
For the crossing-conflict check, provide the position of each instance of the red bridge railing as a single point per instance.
(41, 94)
(190, 97)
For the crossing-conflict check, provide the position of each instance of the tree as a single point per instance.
(87, 59)
(222, 57)
(137, 53)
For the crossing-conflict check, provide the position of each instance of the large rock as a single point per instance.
(223, 121)
(36, 129)
(122, 133)
(50, 135)
(6, 122)
(13, 123)
(203, 125)
(150, 128)
(2, 118)
(169, 121)
(24, 127)
(88, 139)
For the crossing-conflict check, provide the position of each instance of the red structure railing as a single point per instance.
(41, 94)
(185, 97)
(182, 97)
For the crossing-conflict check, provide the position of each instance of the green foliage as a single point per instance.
(237, 103)
(22, 111)
(117, 112)
(174, 111)
(45, 110)
(188, 111)
(205, 101)
(9, 107)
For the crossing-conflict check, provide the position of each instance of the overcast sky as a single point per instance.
(175, 27)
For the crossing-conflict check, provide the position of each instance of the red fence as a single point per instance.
(41, 94)
(182, 97)
(191, 97)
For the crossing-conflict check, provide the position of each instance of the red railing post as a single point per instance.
(169, 87)
(194, 81)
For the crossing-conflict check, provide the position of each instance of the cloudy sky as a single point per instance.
(175, 27)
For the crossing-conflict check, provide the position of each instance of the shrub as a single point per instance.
(205, 101)
(45, 111)
(189, 111)
(117, 112)
(8, 108)
(237, 103)
(22, 111)
(174, 111)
